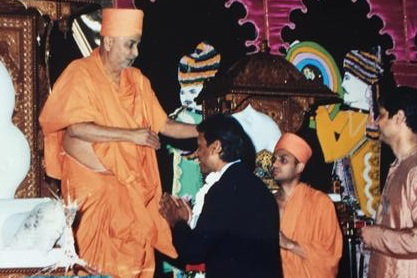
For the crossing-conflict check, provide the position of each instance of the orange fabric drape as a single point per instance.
(309, 218)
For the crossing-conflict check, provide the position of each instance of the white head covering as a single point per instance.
(261, 128)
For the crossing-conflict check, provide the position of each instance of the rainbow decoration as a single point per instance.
(307, 54)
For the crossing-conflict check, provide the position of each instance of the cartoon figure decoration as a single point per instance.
(193, 70)
(348, 139)
(317, 64)
(14, 148)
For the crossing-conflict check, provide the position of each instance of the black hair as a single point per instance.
(402, 98)
(236, 143)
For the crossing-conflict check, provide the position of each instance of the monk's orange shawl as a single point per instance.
(309, 218)
(120, 223)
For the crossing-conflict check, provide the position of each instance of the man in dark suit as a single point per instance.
(236, 230)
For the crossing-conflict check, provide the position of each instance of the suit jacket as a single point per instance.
(237, 233)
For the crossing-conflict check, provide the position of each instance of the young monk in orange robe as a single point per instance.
(101, 125)
(310, 238)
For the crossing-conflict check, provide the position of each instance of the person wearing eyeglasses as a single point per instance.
(310, 236)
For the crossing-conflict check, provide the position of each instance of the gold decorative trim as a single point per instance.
(55, 10)
(25, 272)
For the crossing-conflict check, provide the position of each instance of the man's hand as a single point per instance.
(146, 137)
(174, 209)
(285, 242)
(179, 130)
(290, 245)
(367, 233)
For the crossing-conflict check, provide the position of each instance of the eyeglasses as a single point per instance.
(284, 159)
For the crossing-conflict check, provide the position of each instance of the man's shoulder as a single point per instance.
(240, 175)
(80, 65)
(239, 170)
(316, 194)
(312, 199)
(76, 72)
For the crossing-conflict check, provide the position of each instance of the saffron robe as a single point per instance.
(394, 238)
(309, 218)
(119, 219)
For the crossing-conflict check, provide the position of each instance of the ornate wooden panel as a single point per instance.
(271, 84)
(288, 112)
(18, 51)
(28, 272)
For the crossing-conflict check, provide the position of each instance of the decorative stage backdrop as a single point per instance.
(311, 34)
(324, 39)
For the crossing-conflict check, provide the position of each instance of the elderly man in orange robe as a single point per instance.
(101, 125)
(310, 237)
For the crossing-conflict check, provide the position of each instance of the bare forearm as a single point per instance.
(91, 132)
(400, 242)
(179, 130)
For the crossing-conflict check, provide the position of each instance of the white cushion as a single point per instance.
(12, 214)
(41, 228)
(29, 229)
(10, 258)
